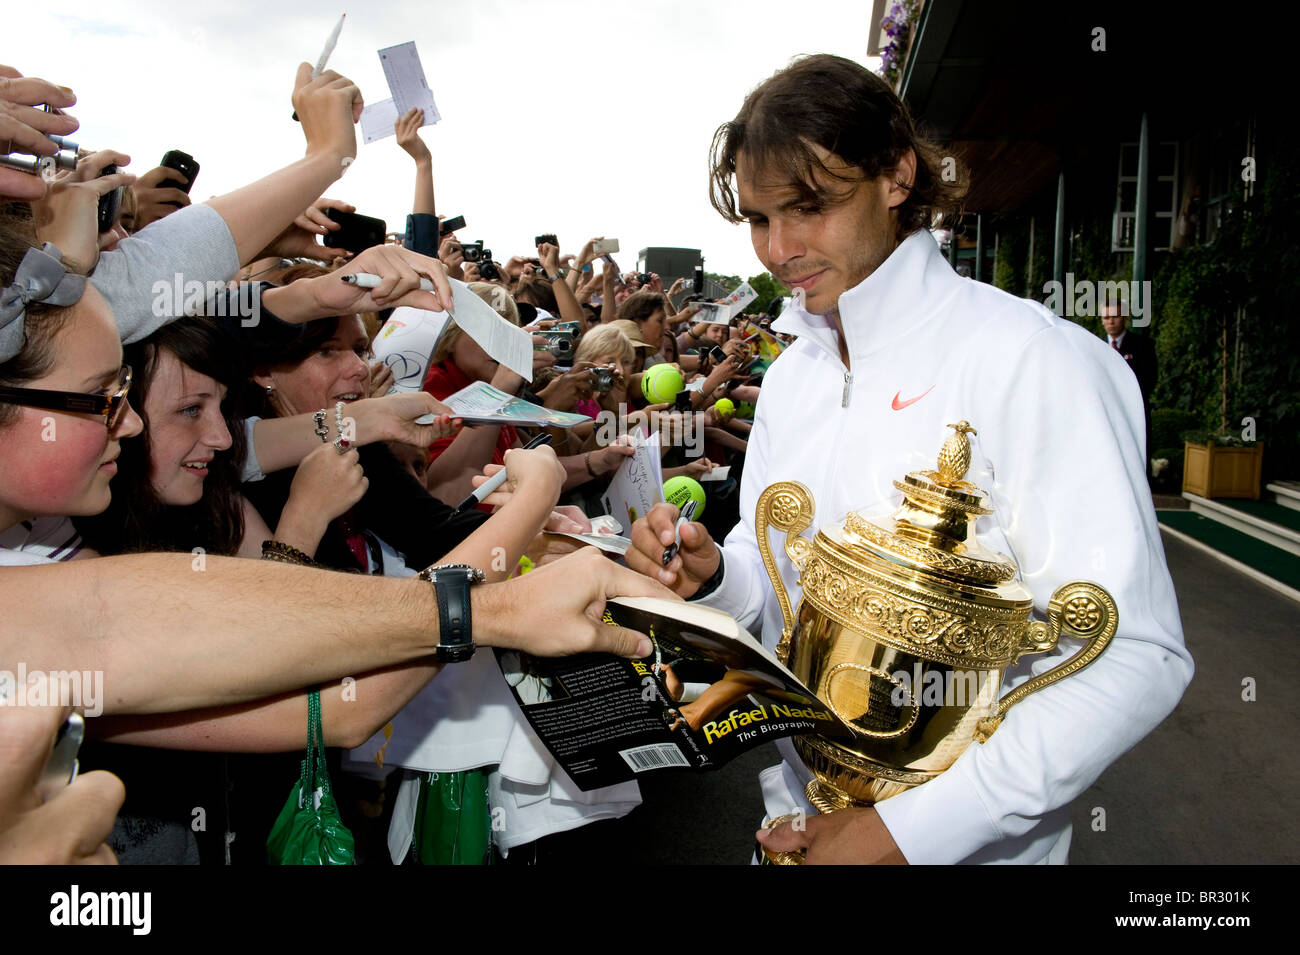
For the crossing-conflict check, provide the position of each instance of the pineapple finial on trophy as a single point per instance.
(954, 456)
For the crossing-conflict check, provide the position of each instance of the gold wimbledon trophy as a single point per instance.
(905, 629)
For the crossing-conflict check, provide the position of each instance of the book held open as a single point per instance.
(708, 692)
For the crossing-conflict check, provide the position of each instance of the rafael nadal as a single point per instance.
(839, 191)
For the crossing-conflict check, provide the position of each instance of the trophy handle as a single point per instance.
(787, 506)
(1080, 609)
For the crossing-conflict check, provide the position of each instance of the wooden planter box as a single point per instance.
(1212, 470)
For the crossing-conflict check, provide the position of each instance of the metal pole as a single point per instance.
(1140, 219)
(1029, 280)
(1058, 253)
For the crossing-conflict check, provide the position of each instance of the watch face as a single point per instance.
(472, 574)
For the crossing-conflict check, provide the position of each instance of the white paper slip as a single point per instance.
(378, 121)
(717, 474)
(406, 344)
(406, 81)
(713, 313)
(638, 484)
(503, 341)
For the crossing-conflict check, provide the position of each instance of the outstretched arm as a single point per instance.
(408, 137)
(328, 107)
(353, 710)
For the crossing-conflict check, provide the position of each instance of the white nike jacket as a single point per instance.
(1060, 452)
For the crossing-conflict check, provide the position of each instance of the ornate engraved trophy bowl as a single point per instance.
(906, 627)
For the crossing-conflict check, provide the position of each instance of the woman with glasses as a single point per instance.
(63, 391)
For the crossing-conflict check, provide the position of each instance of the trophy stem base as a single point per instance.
(824, 799)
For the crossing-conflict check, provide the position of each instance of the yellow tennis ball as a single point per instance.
(660, 383)
(725, 407)
(679, 490)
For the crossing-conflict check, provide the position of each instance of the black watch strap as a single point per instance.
(451, 583)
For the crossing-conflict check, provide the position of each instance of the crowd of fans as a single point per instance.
(153, 447)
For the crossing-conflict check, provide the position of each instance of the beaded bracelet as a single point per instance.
(322, 432)
(285, 554)
(341, 444)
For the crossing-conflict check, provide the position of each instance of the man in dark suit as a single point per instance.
(1138, 352)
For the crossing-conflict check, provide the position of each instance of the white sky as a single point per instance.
(579, 118)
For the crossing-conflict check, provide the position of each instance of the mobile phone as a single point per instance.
(608, 260)
(697, 282)
(358, 232)
(717, 354)
(548, 237)
(683, 400)
(184, 164)
(604, 247)
(110, 204)
(449, 226)
(61, 767)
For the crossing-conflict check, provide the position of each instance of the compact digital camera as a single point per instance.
(474, 252)
(559, 344)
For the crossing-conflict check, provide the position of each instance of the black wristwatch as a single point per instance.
(455, 628)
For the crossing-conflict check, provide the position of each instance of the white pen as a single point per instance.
(325, 56)
(496, 480)
(369, 280)
(329, 48)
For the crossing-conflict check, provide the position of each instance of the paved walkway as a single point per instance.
(1219, 780)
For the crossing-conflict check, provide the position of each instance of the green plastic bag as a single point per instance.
(308, 830)
(453, 822)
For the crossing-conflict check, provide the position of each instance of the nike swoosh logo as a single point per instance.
(900, 405)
